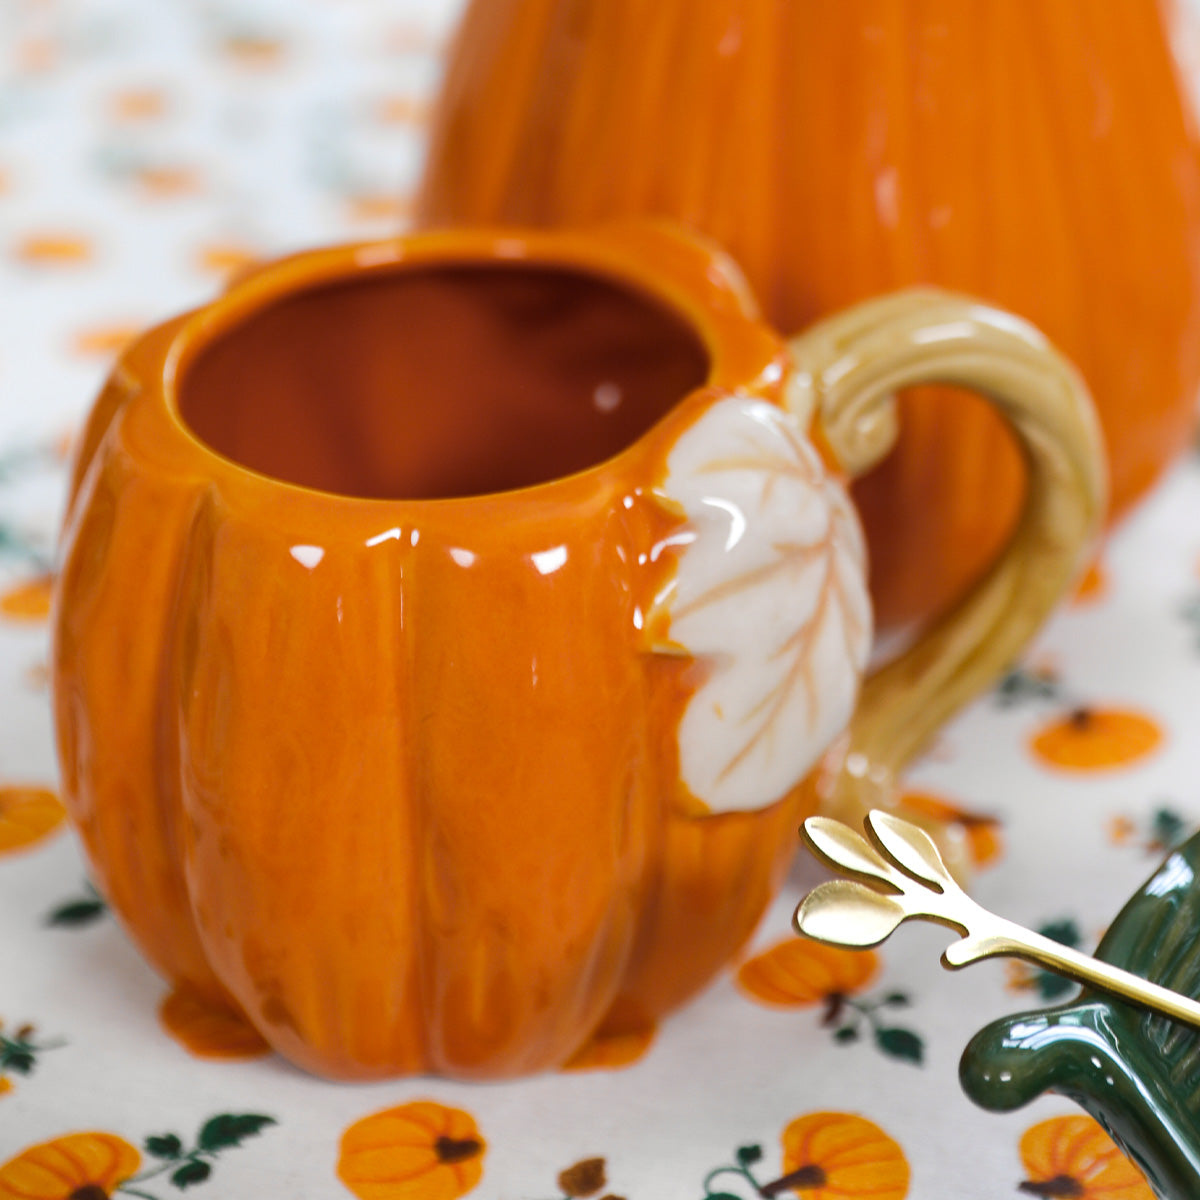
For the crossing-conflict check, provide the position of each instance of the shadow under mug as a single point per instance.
(453, 630)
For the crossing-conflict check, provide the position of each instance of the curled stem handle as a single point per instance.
(849, 367)
(1004, 939)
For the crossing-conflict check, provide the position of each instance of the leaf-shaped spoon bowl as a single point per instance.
(1136, 1071)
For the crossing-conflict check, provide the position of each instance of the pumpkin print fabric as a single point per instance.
(826, 1156)
(417, 1151)
(28, 600)
(981, 831)
(151, 154)
(796, 973)
(94, 1166)
(1091, 739)
(79, 1166)
(27, 815)
(1073, 1156)
(20, 1051)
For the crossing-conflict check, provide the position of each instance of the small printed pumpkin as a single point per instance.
(1096, 739)
(138, 104)
(417, 1151)
(1092, 586)
(980, 831)
(207, 1029)
(832, 1156)
(797, 972)
(226, 259)
(253, 50)
(104, 340)
(167, 180)
(78, 1166)
(378, 206)
(27, 815)
(1122, 830)
(1073, 1156)
(55, 249)
(28, 600)
(403, 110)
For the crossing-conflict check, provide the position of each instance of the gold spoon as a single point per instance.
(908, 880)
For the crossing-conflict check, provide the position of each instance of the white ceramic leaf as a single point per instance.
(771, 592)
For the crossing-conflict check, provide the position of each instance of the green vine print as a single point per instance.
(82, 910)
(19, 1053)
(848, 1016)
(824, 1153)
(185, 1167)
(742, 1169)
(1189, 613)
(16, 543)
(1046, 984)
(1161, 832)
(1023, 685)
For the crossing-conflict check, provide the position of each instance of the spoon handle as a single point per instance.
(1014, 941)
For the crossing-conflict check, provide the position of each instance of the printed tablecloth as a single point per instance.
(148, 150)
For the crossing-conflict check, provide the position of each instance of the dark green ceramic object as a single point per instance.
(1137, 1073)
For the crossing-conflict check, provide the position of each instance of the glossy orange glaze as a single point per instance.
(1037, 155)
(395, 775)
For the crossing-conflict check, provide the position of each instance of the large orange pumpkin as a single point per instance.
(1036, 154)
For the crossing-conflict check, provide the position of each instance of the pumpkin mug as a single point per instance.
(452, 630)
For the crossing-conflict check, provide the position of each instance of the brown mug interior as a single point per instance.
(432, 382)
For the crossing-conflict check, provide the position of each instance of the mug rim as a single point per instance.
(700, 286)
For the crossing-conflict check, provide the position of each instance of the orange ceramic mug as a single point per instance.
(451, 629)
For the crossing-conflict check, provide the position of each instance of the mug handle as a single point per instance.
(848, 368)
